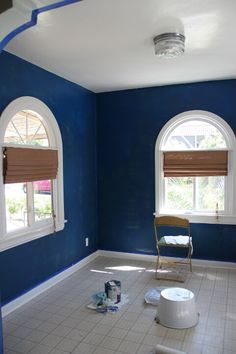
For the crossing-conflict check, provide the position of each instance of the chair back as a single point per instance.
(171, 221)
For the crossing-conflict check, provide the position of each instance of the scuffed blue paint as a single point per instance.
(33, 20)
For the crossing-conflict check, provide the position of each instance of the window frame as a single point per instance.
(229, 216)
(40, 229)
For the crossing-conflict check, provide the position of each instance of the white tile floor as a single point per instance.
(58, 322)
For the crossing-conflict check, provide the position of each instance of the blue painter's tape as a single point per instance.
(33, 20)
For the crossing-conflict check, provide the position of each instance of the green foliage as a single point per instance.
(212, 141)
(15, 206)
(42, 207)
(180, 193)
(209, 192)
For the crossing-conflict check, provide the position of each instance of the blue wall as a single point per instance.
(129, 123)
(74, 107)
(1, 334)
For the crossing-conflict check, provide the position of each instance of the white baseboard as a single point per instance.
(23, 299)
(151, 258)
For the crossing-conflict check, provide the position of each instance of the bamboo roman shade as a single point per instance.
(195, 163)
(27, 165)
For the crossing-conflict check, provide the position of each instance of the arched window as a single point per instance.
(31, 208)
(195, 168)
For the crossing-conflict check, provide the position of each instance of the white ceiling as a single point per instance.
(107, 45)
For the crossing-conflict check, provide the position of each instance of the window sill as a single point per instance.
(24, 236)
(203, 218)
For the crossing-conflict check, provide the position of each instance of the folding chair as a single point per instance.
(171, 226)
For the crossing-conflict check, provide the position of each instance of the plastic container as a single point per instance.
(153, 295)
(177, 308)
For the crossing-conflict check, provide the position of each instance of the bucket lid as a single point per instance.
(177, 294)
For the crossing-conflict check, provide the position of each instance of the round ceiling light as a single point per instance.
(169, 45)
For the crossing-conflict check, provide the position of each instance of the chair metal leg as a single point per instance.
(158, 261)
(190, 258)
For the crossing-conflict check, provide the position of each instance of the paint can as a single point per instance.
(113, 290)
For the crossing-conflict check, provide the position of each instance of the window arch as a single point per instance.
(201, 196)
(30, 209)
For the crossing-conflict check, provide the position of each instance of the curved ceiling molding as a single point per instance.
(15, 18)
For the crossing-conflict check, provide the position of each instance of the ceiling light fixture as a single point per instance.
(169, 45)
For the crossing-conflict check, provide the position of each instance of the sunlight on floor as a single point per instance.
(100, 271)
(125, 268)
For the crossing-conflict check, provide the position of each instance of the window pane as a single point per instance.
(26, 128)
(195, 134)
(209, 192)
(179, 193)
(16, 206)
(42, 200)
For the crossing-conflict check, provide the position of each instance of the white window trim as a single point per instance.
(20, 236)
(230, 195)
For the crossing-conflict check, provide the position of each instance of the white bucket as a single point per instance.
(160, 349)
(177, 308)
